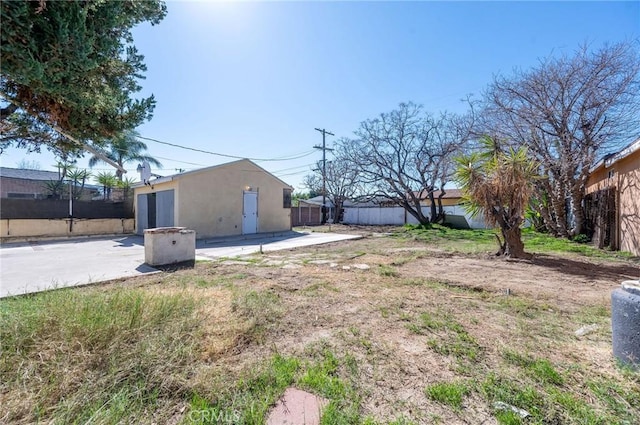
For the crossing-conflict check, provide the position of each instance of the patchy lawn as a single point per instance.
(404, 326)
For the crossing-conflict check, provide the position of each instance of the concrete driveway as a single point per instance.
(39, 266)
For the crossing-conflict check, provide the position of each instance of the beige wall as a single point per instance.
(628, 171)
(27, 228)
(626, 179)
(209, 201)
(446, 202)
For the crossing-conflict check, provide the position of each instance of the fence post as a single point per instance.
(70, 207)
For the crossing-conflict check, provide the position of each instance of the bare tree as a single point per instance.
(29, 164)
(343, 179)
(567, 111)
(405, 155)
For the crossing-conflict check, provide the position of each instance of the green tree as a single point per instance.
(126, 185)
(71, 67)
(78, 178)
(108, 182)
(124, 148)
(498, 183)
(55, 188)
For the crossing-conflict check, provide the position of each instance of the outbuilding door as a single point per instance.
(155, 210)
(249, 213)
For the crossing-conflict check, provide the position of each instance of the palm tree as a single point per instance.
(78, 179)
(125, 148)
(498, 183)
(126, 184)
(108, 182)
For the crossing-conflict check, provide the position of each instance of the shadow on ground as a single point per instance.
(613, 272)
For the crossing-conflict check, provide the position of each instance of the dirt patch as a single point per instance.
(529, 306)
(417, 316)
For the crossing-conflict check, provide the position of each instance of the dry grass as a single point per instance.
(421, 336)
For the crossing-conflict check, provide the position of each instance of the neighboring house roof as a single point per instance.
(374, 202)
(377, 201)
(200, 170)
(20, 173)
(448, 194)
(317, 200)
(611, 158)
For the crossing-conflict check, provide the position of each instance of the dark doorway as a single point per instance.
(151, 210)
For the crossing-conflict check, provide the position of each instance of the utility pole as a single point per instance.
(324, 170)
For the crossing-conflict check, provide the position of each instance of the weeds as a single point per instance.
(448, 393)
(249, 399)
(81, 362)
(540, 369)
(384, 270)
(448, 337)
(261, 308)
(477, 240)
(497, 388)
(316, 288)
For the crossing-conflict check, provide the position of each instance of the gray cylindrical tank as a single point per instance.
(625, 323)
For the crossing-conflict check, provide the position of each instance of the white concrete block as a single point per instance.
(169, 245)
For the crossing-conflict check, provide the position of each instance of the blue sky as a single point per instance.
(255, 79)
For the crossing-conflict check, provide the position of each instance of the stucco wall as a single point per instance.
(209, 201)
(626, 180)
(628, 171)
(27, 228)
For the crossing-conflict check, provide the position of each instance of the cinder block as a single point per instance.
(169, 245)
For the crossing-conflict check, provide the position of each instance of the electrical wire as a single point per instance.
(292, 174)
(293, 168)
(226, 155)
(182, 162)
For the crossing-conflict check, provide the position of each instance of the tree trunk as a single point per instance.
(434, 211)
(440, 207)
(547, 220)
(577, 196)
(417, 213)
(339, 211)
(513, 245)
(557, 198)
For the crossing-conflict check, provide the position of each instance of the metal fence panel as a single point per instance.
(55, 208)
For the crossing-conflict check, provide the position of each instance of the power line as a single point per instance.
(292, 174)
(182, 162)
(292, 168)
(226, 155)
(324, 170)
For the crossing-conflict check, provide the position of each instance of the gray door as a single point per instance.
(155, 210)
(142, 222)
(164, 208)
(249, 213)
